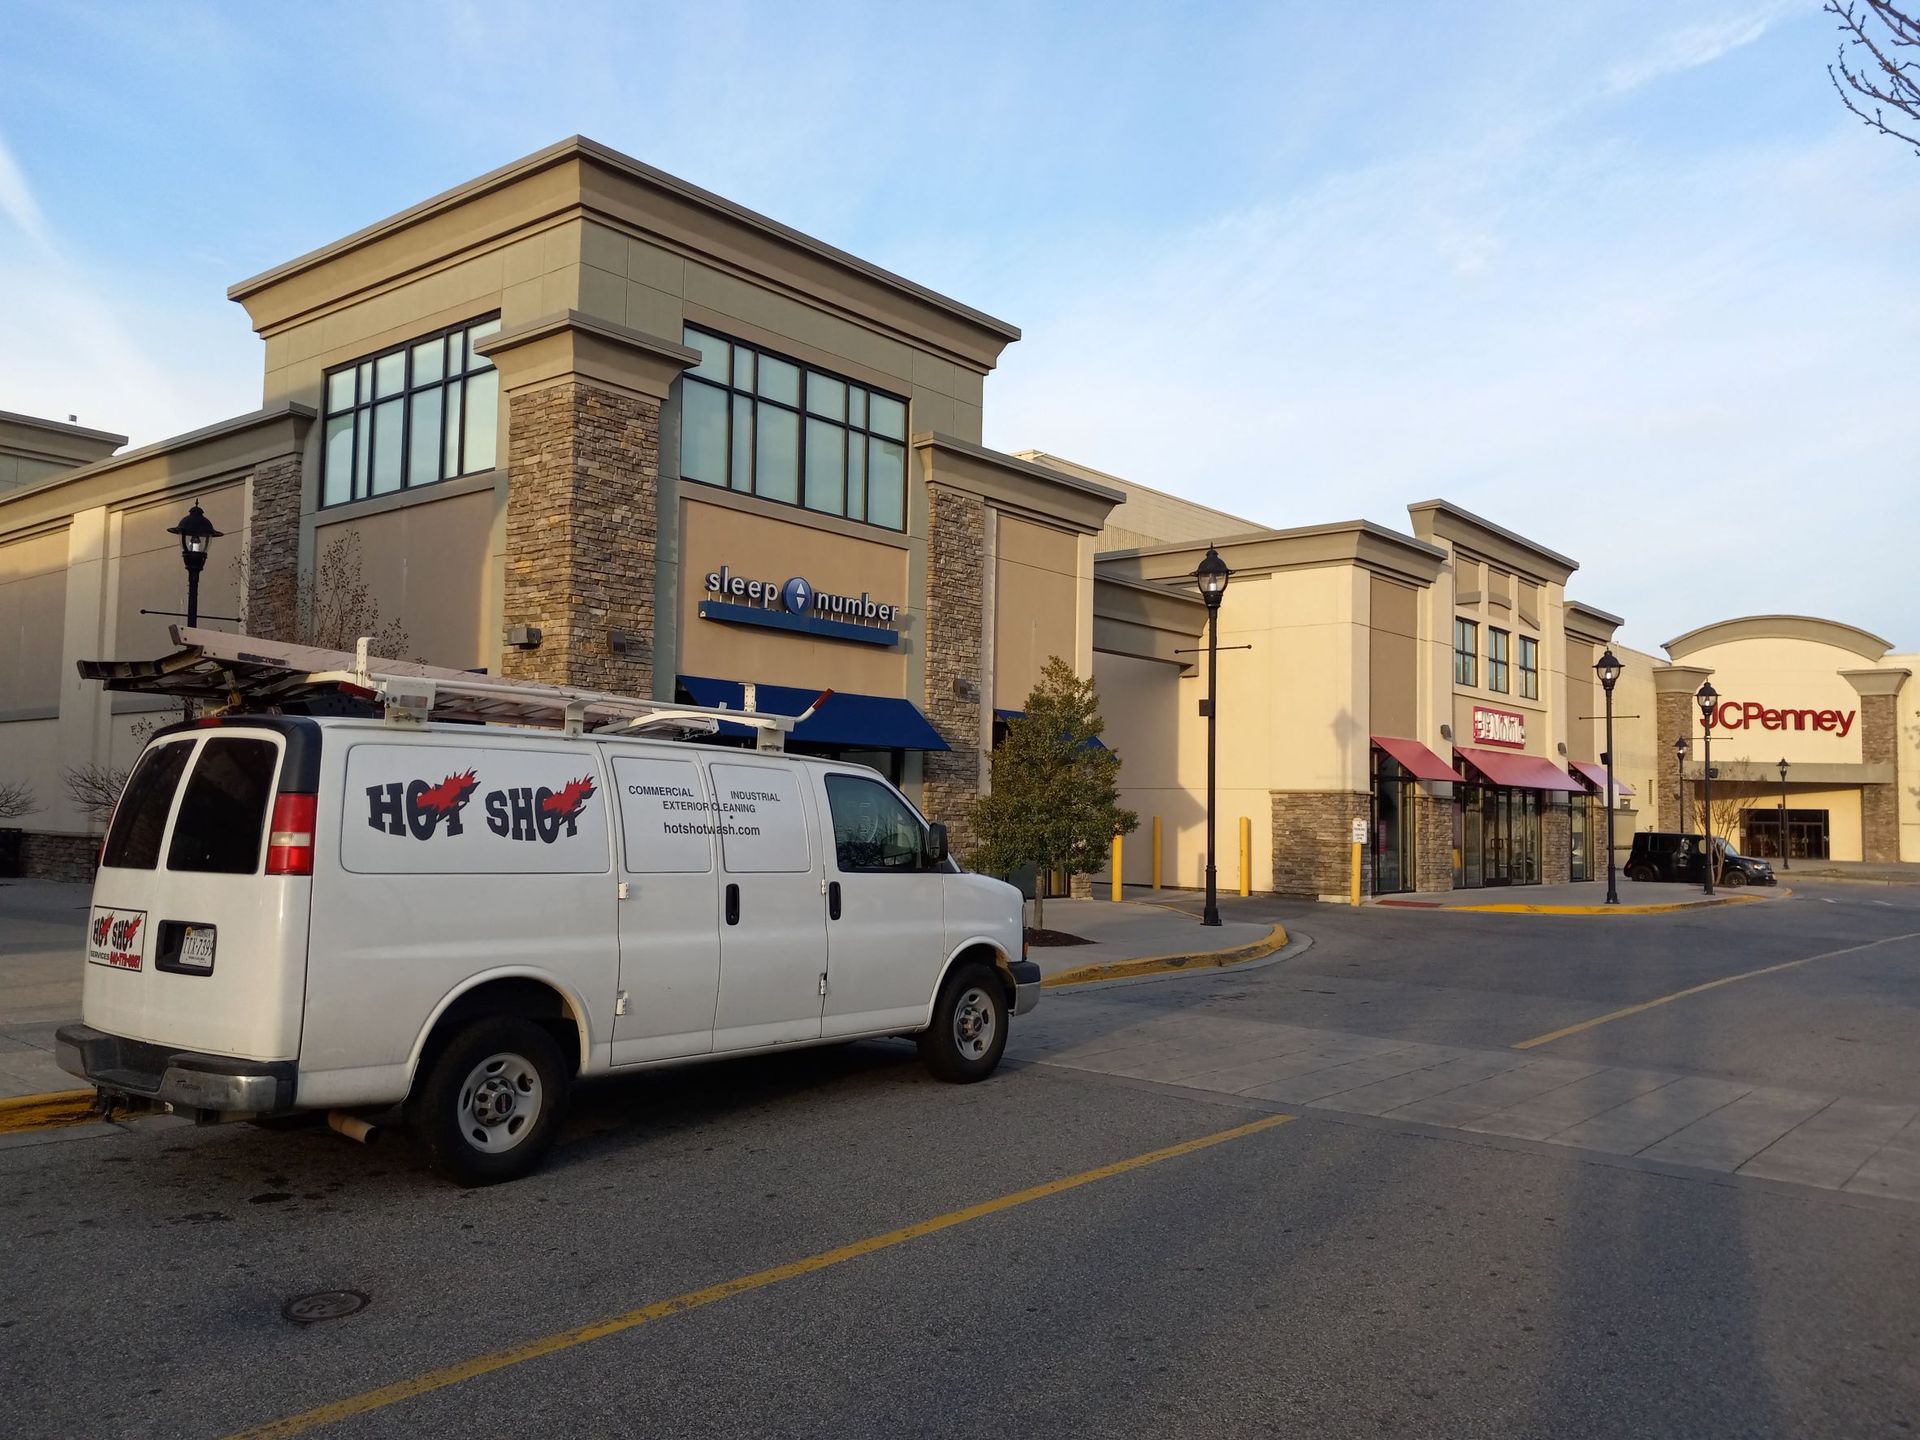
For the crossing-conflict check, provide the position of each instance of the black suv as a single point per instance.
(1665, 855)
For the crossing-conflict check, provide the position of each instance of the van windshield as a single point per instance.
(140, 819)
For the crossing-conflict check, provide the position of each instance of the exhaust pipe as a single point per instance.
(352, 1126)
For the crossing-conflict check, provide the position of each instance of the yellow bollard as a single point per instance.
(1156, 852)
(1116, 866)
(1353, 887)
(1246, 856)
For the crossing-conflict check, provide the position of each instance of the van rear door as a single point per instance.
(191, 942)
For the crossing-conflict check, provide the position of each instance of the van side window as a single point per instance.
(763, 828)
(141, 817)
(223, 813)
(873, 829)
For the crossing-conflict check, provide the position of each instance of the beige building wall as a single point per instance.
(1038, 577)
(845, 560)
(1635, 736)
(1908, 752)
(1148, 516)
(33, 597)
(427, 566)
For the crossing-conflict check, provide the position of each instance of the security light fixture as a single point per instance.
(1212, 574)
(1608, 668)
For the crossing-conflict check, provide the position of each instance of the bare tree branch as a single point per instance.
(1881, 81)
(16, 799)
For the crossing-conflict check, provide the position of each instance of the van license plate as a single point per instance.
(196, 948)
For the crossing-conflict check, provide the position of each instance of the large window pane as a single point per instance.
(703, 433)
(339, 472)
(857, 479)
(777, 452)
(856, 405)
(390, 374)
(450, 457)
(482, 422)
(339, 391)
(742, 443)
(363, 432)
(742, 368)
(826, 396)
(713, 355)
(423, 438)
(886, 482)
(480, 332)
(888, 417)
(456, 353)
(387, 433)
(826, 466)
(779, 380)
(429, 361)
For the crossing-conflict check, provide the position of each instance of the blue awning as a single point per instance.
(1094, 742)
(866, 722)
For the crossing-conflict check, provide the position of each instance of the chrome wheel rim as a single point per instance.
(974, 1024)
(499, 1102)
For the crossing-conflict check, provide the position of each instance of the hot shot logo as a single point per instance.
(114, 938)
(529, 812)
(418, 809)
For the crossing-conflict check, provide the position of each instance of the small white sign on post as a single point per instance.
(1359, 832)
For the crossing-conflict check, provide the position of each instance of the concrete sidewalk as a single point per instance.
(1131, 931)
(1588, 897)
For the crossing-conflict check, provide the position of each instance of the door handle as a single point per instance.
(833, 900)
(733, 904)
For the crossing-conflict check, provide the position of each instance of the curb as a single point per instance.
(47, 1112)
(1275, 940)
(1613, 910)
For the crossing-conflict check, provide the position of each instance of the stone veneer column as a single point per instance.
(1879, 692)
(1313, 842)
(584, 401)
(1556, 840)
(1674, 715)
(956, 589)
(1432, 844)
(270, 608)
(583, 463)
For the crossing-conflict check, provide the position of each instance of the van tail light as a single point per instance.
(290, 838)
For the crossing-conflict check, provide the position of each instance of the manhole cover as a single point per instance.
(323, 1305)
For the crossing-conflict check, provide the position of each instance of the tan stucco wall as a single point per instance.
(1037, 588)
(1394, 658)
(767, 547)
(33, 599)
(426, 566)
(149, 574)
(1636, 759)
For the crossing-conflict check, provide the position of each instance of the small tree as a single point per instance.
(1737, 787)
(16, 800)
(1054, 802)
(340, 605)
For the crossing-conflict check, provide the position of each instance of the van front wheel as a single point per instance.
(489, 1104)
(969, 1030)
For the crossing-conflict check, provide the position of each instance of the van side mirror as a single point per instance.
(934, 851)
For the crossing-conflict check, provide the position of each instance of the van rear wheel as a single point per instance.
(1639, 872)
(489, 1104)
(969, 1030)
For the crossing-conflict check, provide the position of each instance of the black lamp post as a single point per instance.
(1211, 575)
(1707, 697)
(1786, 849)
(196, 533)
(1608, 668)
(1680, 770)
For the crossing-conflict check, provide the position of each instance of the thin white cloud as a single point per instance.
(1693, 46)
(17, 201)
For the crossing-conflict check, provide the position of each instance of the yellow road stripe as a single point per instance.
(1696, 989)
(447, 1375)
(44, 1112)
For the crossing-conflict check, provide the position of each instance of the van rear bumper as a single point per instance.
(184, 1079)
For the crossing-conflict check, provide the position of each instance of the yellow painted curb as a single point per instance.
(1662, 909)
(1274, 940)
(46, 1112)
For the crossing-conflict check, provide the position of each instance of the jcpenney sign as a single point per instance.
(1752, 715)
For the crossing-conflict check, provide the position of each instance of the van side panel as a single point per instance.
(441, 858)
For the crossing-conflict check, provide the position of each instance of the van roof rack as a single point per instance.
(239, 674)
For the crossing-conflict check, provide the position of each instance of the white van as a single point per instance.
(298, 914)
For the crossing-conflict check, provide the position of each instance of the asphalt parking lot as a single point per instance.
(1093, 1242)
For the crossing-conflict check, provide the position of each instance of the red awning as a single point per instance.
(1421, 762)
(1596, 776)
(1522, 772)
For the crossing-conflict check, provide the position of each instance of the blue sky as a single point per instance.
(1623, 277)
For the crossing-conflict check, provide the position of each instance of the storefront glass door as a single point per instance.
(1577, 815)
(1806, 832)
(1500, 836)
